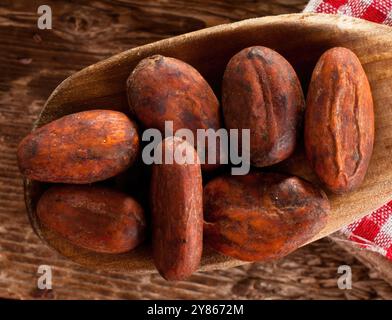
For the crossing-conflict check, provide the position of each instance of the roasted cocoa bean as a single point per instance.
(95, 218)
(166, 89)
(339, 121)
(261, 216)
(177, 213)
(80, 148)
(261, 92)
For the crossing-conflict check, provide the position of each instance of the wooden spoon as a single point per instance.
(301, 38)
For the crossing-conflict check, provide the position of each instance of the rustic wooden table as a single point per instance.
(34, 62)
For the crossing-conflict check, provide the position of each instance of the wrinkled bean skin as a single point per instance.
(339, 121)
(261, 216)
(95, 218)
(177, 215)
(80, 148)
(166, 89)
(261, 92)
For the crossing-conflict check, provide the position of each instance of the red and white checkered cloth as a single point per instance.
(379, 11)
(374, 231)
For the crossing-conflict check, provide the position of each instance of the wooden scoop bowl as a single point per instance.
(301, 38)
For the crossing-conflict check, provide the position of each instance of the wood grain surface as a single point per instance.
(34, 62)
